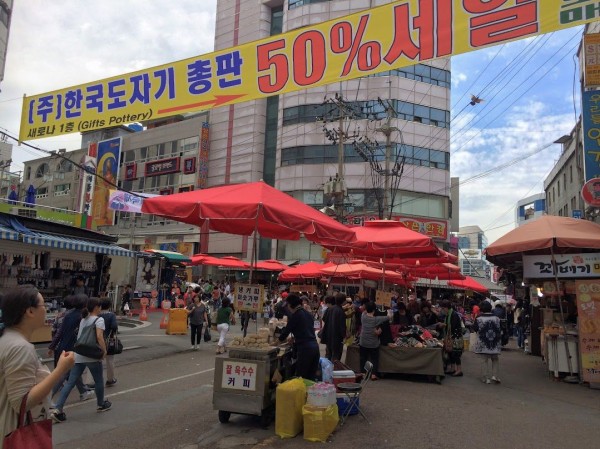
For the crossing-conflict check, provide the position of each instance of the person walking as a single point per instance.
(301, 325)
(225, 317)
(519, 323)
(111, 329)
(369, 339)
(453, 328)
(64, 340)
(23, 375)
(197, 316)
(334, 329)
(489, 343)
(90, 317)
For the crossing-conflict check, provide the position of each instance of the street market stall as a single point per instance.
(556, 257)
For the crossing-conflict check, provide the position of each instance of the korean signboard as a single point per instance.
(383, 298)
(590, 111)
(203, 155)
(379, 39)
(239, 375)
(130, 171)
(304, 288)
(109, 153)
(588, 312)
(248, 297)
(162, 167)
(584, 265)
(591, 44)
(437, 229)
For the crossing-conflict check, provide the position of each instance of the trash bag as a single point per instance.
(326, 370)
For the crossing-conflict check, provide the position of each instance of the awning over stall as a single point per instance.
(171, 256)
(62, 242)
(8, 234)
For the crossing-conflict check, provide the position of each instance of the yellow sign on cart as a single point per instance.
(588, 313)
(387, 37)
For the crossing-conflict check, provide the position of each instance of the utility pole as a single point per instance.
(387, 130)
(339, 112)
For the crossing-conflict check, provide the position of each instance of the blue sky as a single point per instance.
(520, 115)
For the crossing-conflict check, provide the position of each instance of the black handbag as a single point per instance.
(207, 336)
(113, 344)
(87, 343)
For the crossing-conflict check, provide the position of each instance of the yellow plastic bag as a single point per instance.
(290, 397)
(319, 422)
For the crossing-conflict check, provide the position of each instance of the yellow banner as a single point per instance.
(391, 36)
(591, 45)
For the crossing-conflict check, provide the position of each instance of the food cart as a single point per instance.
(244, 381)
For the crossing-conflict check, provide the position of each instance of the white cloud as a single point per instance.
(57, 44)
(490, 201)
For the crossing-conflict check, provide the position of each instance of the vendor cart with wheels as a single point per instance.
(243, 382)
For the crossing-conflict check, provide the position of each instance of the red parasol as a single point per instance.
(232, 262)
(387, 238)
(270, 265)
(469, 284)
(243, 209)
(309, 270)
(363, 271)
(203, 259)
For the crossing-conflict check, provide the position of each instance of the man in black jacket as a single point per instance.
(334, 329)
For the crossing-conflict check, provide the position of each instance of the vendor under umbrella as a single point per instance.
(301, 325)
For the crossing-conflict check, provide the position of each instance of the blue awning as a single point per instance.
(70, 243)
(8, 234)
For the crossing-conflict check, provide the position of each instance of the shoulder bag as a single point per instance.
(29, 434)
(207, 336)
(113, 344)
(87, 343)
(448, 343)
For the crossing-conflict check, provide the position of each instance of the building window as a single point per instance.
(297, 3)
(28, 174)
(369, 110)
(42, 192)
(62, 189)
(571, 174)
(558, 187)
(65, 166)
(42, 170)
(565, 181)
(324, 154)
(553, 195)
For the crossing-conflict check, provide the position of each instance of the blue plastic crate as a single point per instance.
(343, 402)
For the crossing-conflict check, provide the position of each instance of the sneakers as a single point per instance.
(495, 380)
(110, 383)
(87, 395)
(486, 381)
(58, 416)
(104, 407)
(193, 347)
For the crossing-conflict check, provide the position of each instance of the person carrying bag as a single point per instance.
(113, 343)
(29, 434)
(91, 334)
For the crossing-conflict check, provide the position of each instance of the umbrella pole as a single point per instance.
(571, 378)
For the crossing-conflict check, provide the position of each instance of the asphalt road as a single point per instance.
(163, 399)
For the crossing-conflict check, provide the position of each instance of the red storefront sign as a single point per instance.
(162, 167)
(437, 229)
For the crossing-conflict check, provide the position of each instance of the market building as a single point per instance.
(530, 208)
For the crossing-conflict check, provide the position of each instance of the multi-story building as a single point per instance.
(530, 208)
(564, 184)
(281, 139)
(471, 243)
(6, 7)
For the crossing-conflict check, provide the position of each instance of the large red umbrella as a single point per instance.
(387, 238)
(232, 262)
(362, 271)
(247, 208)
(204, 259)
(469, 284)
(309, 270)
(270, 265)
